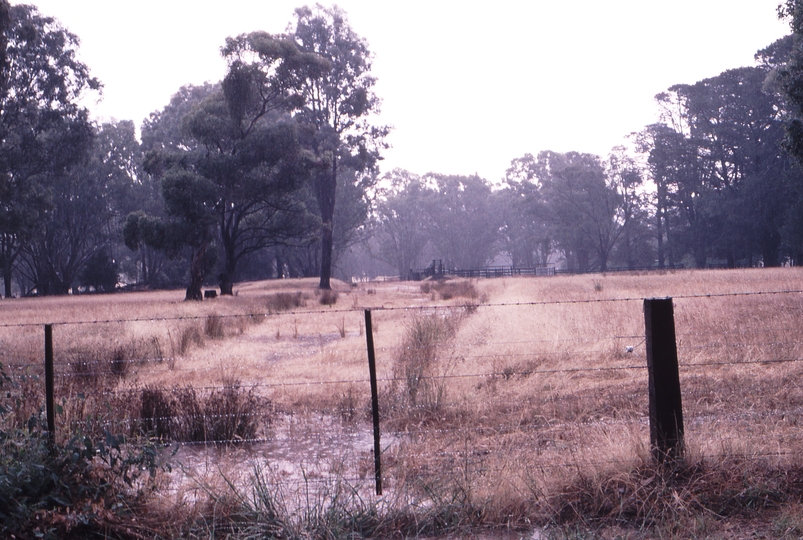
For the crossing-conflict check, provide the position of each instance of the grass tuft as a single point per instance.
(229, 413)
(285, 301)
(328, 297)
(214, 327)
(448, 289)
(417, 393)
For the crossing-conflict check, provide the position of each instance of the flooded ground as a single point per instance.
(297, 453)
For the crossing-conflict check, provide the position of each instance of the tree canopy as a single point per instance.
(274, 171)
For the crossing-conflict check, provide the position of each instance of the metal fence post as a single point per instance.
(369, 336)
(666, 409)
(49, 384)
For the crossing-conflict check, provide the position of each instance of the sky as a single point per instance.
(467, 87)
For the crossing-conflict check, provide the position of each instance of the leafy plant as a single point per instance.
(79, 489)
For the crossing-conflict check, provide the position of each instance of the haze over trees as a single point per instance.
(274, 171)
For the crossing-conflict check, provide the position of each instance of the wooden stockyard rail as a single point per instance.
(437, 269)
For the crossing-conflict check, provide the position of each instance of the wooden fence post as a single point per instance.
(50, 404)
(369, 336)
(666, 409)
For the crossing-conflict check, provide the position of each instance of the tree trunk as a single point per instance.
(582, 260)
(7, 280)
(326, 201)
(226, 284)
(197, 275)
(279, 267)
(226, 278)
(660, 244)
(143, 262)
(326, 255)
(770, 250)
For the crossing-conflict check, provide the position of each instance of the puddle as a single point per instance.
(297, 451)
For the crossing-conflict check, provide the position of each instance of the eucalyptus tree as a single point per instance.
(785, 58)
(235, 148)
(250, 149)
(790, 77)
(400, 222)
(43, 129)
(724, 167)
(526, 234)
(165, 227)
(462, 221)
(635, 244)
(338, 106)
(585, 209)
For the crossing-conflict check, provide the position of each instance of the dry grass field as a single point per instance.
(513, 404)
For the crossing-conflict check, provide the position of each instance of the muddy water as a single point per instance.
(297, 451)
(301, 457)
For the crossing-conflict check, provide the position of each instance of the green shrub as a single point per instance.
(80, 489)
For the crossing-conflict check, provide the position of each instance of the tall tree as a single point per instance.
(250, 148)
(401, 222)
(790, 77)
(462, 222)
(526, 235)
(625, 176)
(723, 165)
(585, 209)
(660, 142)
(338, 105)
(169, 227)
(43, 129)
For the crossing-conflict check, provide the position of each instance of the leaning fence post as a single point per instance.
(666, 409)
(49, 400)
(369, 336)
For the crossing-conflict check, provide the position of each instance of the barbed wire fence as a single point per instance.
(533, 406)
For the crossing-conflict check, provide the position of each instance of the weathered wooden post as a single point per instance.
(666, 409)
(369, 336)
(50, 404)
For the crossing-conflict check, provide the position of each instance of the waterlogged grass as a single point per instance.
(514, 404)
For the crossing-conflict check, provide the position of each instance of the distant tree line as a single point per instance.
(273, 172)
(717, 181)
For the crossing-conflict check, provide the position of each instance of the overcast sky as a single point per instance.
(467, 87)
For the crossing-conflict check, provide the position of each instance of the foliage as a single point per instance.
(100, 272)
(400, 222)
(416, 392)
(582, 205)
(251, 150)
(285, 301)
(328, 297)
(337, 106)
(790, 77)
(461, 220)
(81, 225)
(43, 130)
(525, 234)
(724, 184)
(189, 202)
(75, 490)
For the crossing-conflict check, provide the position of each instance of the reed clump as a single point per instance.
(448, 289)
(285, 301)
(418, 390)
(227, 414)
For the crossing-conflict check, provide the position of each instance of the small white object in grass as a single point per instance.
(629, 348)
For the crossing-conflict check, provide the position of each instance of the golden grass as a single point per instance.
(530, 400)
